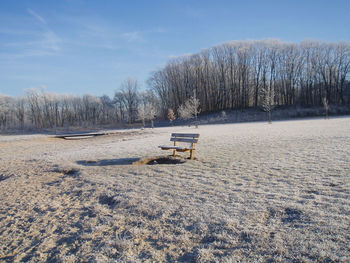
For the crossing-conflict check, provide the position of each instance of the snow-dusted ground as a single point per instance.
(257, 192)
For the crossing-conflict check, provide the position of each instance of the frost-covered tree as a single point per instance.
(231, 75)
(5, 107)
(268, 100)
(193, 105)
(326, 106)
(130, 97)
(34, 101)
(223, 115)
(92, 107)
(148, 108)
(183, 112)
(107, 109)
(20, 111)
(190, 109)
(171, 116)
(151, 113)
(141, 113)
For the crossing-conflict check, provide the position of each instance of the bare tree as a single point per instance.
(183, 112)
(325, 105)
(268, 100)
(92, 107)
(20, 111)
(35, 112)
(141, 113)
(151, 113)
(148, 108)
(107, 110)
(193, 106)
(5, 108)
(129, 89)
(230, 76)
(119, 105)
(171, 116)
(190, 109)
(235, 75)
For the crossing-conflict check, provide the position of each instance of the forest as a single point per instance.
(234, 75)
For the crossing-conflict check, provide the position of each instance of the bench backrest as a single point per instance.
(185, 137)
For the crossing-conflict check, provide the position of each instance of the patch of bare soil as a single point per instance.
(159, 160)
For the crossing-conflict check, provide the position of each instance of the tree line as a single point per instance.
(236, 75)
(39, 109)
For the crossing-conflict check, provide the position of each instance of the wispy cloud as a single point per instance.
(40, 39)
(48, 40)
(132, 36)
(51, 41)
(36, 16)
(33, 41)
(95, 31)
(44, 43)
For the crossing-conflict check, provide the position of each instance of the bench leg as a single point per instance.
(192, 154)
(192, 151)
(174, 152)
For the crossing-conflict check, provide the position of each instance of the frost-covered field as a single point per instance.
(256, 193)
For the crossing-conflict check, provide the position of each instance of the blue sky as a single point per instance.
(78, 47)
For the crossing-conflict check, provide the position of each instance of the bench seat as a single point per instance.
(177, 148)
(189, 138)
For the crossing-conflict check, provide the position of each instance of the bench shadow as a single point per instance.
(109, 162)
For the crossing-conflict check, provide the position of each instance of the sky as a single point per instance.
(90, 47)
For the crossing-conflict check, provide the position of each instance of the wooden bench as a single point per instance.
(191, 138)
